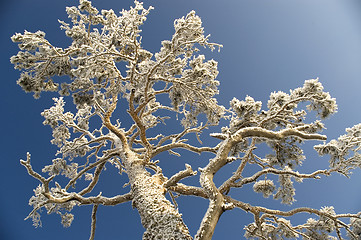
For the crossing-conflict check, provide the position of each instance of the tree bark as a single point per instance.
(158, 215)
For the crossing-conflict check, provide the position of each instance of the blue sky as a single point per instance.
(268, 46)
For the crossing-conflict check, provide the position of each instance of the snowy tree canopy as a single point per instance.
(110, 77)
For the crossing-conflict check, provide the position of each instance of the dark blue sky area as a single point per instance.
(268, 46)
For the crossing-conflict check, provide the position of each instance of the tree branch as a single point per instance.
(73, 196)
(256, 210)
(110, 154)
(216, 197)
(31, 172)
(264, 133)
(179, 176)
(90, 200)
(94, 220)
(280, 172)
(188, 190)
(139, 123)
(106, 120)
(225, 187)
(95, 179)
(184, 146)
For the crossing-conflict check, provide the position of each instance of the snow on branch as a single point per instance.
(59, 198)
(264, 133)
(298, 175)
(344, 152)
(107, 66)
(328, 222)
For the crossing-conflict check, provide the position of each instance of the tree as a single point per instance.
(111, 76)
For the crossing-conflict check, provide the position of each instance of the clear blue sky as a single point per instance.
(268, 46)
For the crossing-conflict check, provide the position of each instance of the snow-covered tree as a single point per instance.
(111, 78)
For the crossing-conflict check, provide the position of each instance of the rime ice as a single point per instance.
(109, 71)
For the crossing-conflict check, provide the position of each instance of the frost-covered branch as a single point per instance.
(298, 175)
(328, 222)
(58, 198)
(108, 66)
(216, 204)
(31, 172)
(216, 200)
(264, 133)
(179, 176)
(120, 134)
(66, 197)
(100, 162)
(241, 128)
(138, 122)
(344, 152)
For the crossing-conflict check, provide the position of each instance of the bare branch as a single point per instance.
(139, 123)
(179, 176)
(183, 146)
(225, 187)
(94, 220)
(95, 179)
(188, 190)
(109, 155)
(119, 133)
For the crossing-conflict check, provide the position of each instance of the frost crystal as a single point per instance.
(286, 191)
(356, 226)
(266, 187)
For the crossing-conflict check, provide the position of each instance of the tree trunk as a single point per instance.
(159, 217)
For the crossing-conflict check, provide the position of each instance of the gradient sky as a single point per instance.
(268, 46)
